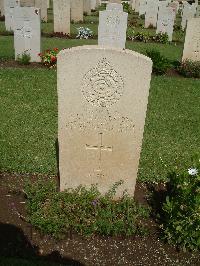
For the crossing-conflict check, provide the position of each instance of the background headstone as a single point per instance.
(151, 13)
(165, 22)
(137, 4)
(192, 40)
(87, 7)
(142, 7)
(27, 32)
(93, 4)
(2, 7)
(9, 6)
(114, 6)
(102, 102)
(25, 3)
(42, 4)
(61, 11)
(188, 12)
(112, 28)
(77, 10)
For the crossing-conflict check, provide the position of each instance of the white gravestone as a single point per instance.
(2, 7)
(27, 32)
(48, 4)
(42, 4)
(188, 12)
(93, 4)
(165, 23)
(192, 40)
(198, 11)
(132, 4)
(137, 4)
(87, 7)
(112, 28)
(77, 10)
(61, 11)
(175, 6)
(114, 6)
(142, 7)
(9, 6)
(102, 102)
(151, 13)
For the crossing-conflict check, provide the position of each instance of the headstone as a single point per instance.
(188, 12)
(27, 3)
(151, 13)
(61, 11)
(48, 4)
(77, 10)
(175, 6)
(2, 7)
(114, 6)
(115, 1)
(42, 4)
(9, 6)
(27, 32)
(93, 4)
(142, 7)
(112, 28)
(198, 11)
(132, 4)
(137, 4)
(165, 23)
(87, 7)
(192, 40)
(102, 104)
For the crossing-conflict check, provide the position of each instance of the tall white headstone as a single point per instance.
(142, 7)
(42, 4)
(27, 32)
(137, 4)
(112, 28)
(9, 6)
(61, 11)
(151, 13)
(102, 103)
(2, 7)
(188, 12)
(165, 23)
(192, 40)
(87, 7)
(77, 10)
(93, 4)
(114, 6)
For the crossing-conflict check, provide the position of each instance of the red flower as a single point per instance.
(53, 58)
(55, 49)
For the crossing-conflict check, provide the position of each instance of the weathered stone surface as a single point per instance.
(27, 32)
(188, 12)
(102, 102)
(115, 1)
(2, 8)
(42, 4)
(151, 13)
(165, 23)
(77, 10)
(114, 6)
(93, 4)
(87, 7)
(112, 28)
(9, 6)
(192, 40)
(137, 4)
(142, 7)
(27, 3)
(61, 10)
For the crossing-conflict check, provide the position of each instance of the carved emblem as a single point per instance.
(102, 86)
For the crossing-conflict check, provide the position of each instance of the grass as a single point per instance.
(169, 50)
(28, 111)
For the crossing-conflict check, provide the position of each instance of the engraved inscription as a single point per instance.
(112, 21)
(102, 86)
(100, 121)
(99, 148)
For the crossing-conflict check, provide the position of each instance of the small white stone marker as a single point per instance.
(42, 4)
(102, 103)
(27, 32)
(61, 11)
(151, 13)
(77, 10)
(112, 28)
(192, 40)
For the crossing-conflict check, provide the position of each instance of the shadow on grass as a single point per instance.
(15, 246)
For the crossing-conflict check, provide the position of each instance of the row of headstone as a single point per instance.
(188, 12)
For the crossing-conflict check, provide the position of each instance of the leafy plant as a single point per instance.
(24, 58)
(126, 7)
(161, 38)
(49, 57)
(160, 63)
(181, 209)
(84, 33)
(190, 69)
(82, 210)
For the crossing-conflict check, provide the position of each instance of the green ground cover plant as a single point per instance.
(160, 63)
(82, 210)
(181, 210)
(190, 69)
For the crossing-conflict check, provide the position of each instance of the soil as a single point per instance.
(19, 239)
(15, 64)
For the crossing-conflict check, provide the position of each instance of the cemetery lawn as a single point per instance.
(28, 132)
